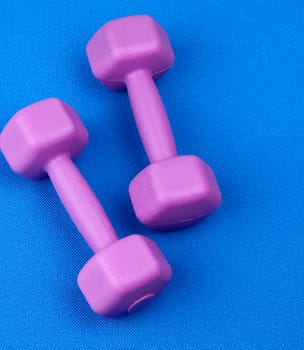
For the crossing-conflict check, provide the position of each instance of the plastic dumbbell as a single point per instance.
(173, 191)
(42, 139)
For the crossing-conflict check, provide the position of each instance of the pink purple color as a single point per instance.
(173, 192)
(42, 139)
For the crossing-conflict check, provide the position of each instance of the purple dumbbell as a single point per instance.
(42, 139)
(173, 191)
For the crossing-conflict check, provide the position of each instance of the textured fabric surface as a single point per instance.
(235, 98)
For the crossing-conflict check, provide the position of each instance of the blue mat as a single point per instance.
(235, 98)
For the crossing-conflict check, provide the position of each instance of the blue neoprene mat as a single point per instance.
(235, 98)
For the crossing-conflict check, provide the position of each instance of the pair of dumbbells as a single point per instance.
(42, 139)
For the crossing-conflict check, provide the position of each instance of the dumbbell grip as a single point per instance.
(81, 203)
(150, 116)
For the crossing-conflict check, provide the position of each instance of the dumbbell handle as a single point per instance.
(150, 116)
(81, 203)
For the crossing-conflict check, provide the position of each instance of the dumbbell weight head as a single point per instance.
(174, 193)
(126, 44)
(40, 132)
(123, 274)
